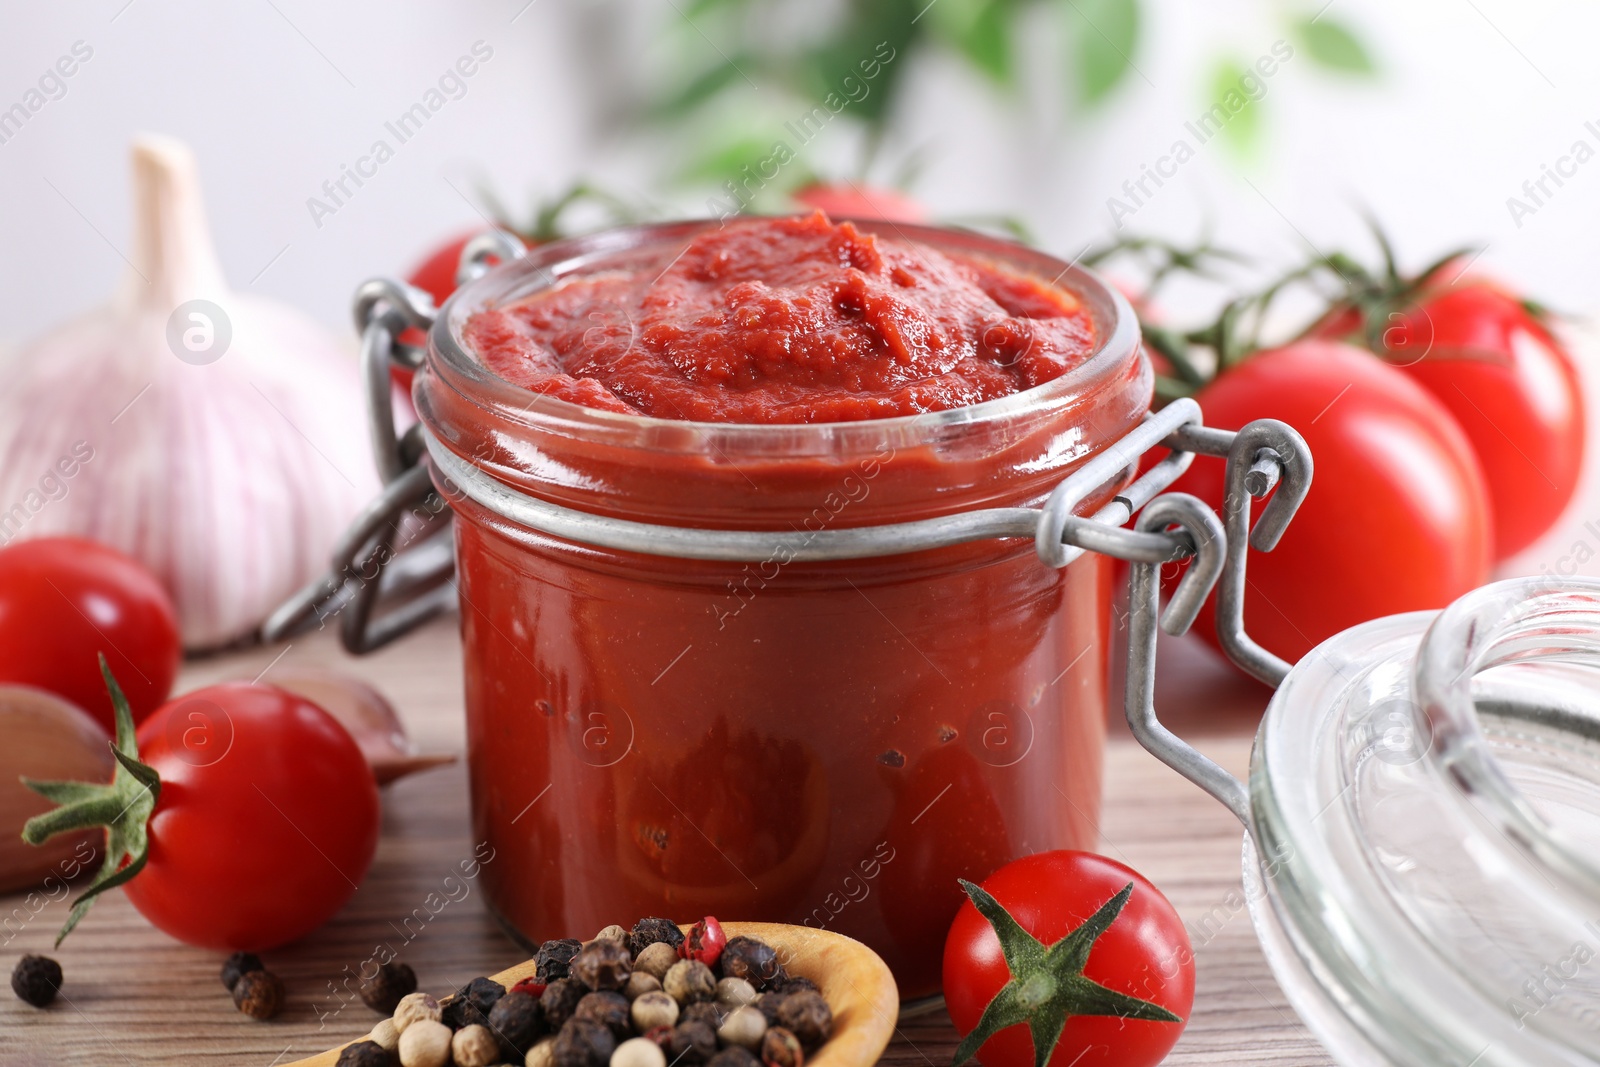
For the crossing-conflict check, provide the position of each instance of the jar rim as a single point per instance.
(1115, 326)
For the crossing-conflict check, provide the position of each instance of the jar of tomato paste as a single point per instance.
(764, 610)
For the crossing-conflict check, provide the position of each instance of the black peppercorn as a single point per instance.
(582, 1043)
(806, 1015)
(259, 994)
(472, 1003)
(560, 1000)
(703, 1011)
(752, 960)
(768, 1004)
(36, 980)
(780, 1048)
(237, 964)
(517, 1020)
(384, 989)
(554, 958)
(792, 983)
(647, 932)
(603, 964)
(364, 1054)
(734, 1056)
(691, 1043)
(610, 1010)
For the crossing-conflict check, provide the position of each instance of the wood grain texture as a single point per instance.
(133, 996)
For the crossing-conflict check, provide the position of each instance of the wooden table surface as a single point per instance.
(133, 996)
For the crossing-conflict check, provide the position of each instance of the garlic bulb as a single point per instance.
(215, 436)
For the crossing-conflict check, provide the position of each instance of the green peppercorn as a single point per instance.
(690, 982)
(36, 980)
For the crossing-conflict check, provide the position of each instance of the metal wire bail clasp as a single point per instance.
(399, 551)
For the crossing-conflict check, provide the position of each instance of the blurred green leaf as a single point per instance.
(699, 90)
(1106, 35)
(1230, 100)
(874, 32)
(980, 30)
(1329, 43)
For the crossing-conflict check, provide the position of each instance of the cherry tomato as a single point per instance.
(266, 821)
(435, 275)
(1509, 383)
(1397, 518)
(1144, 954)
(847, 201)
(65, 600)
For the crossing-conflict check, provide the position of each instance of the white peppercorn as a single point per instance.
(541, 1054)
(612, 933)
(638, 1052)
(425, 1043)
(640, 983)
(744, 1027)
(386, 1035)
(654, 1009)
(474, 1046)
(656, 959)
(415, 1007)
(735, 992)
(689, 982)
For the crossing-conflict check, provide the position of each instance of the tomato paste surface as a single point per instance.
(787, 320)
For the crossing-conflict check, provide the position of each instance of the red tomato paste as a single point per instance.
(787, 320)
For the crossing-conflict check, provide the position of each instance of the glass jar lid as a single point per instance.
(1425, 807)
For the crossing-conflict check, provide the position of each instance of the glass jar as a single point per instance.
(823, 742)
(1425, 808)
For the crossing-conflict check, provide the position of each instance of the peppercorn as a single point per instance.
(555, 957)
(743, 1027)
(734, 993)
(691, 1043)
(518, 1019)
(640, 983)
(690, 981)
(237, 964)
(752, 960)
(541, 1054)
(792, 983)
(474, 1046)
(425, 1043)
(734, 1056)
(610, 1010)
(806, 1015)
(603, 965)
(582, 1043)
(703, 1011)
(364, 1054)
(560, 1000)
(472, 1003)
(704, 942)
(638, 1052)
(768, 1004)
(415, 1008)
(647, 932)
(386, 1035)
(780, 1048)
(36, 980)
(382, 991)
(259, 994)
(653, 1009)
(614, 933)
(656, 959)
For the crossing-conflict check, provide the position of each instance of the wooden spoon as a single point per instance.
(856, 984)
